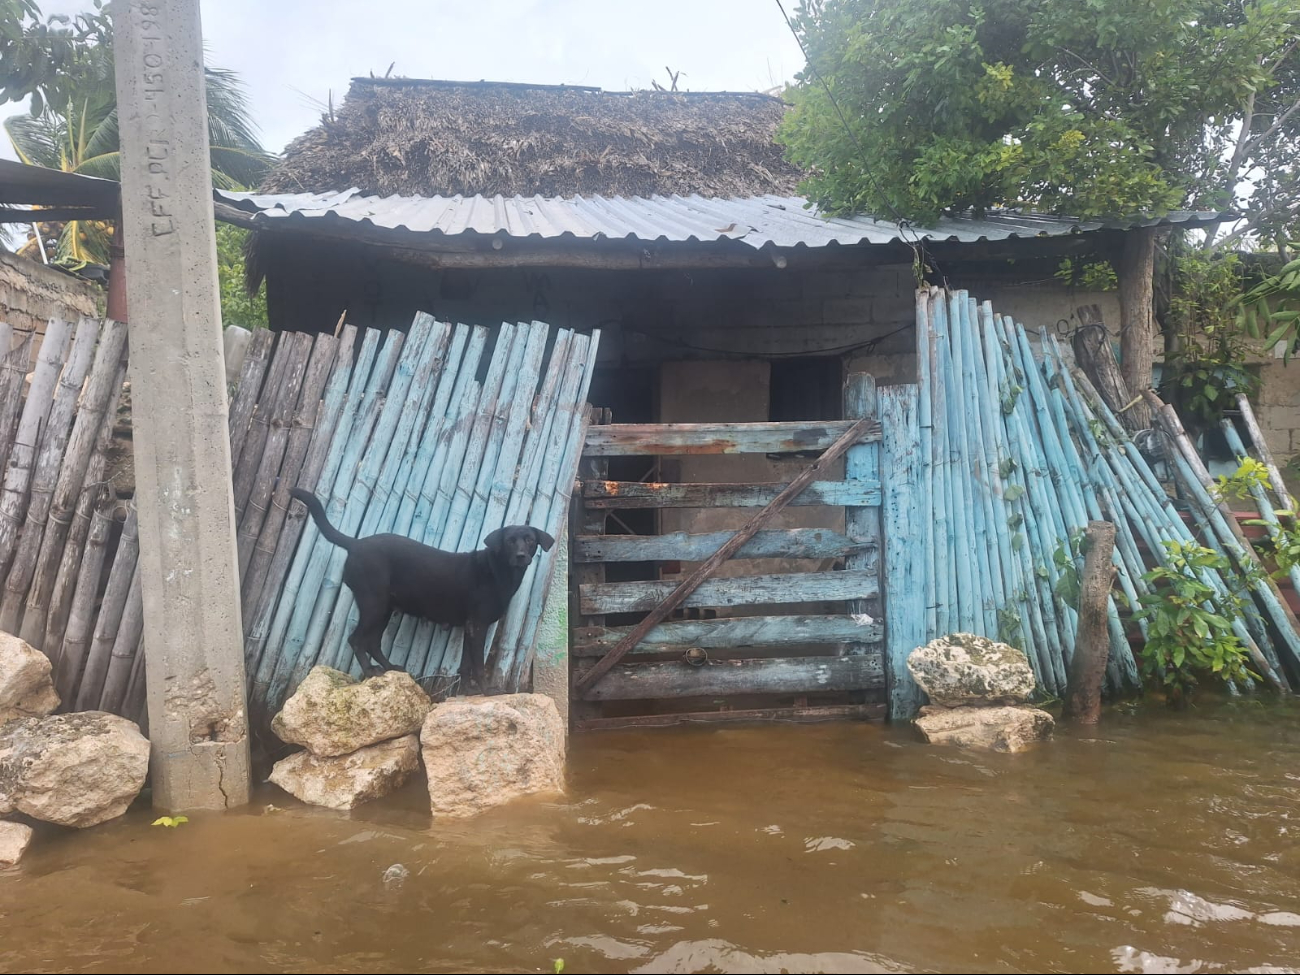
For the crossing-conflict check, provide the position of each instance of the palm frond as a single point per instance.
(36, 141)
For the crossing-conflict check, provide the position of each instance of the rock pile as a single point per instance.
(360, 737)
(361, 744)
(74, 770)
(978, 689)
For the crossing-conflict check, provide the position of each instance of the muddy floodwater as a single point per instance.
(1163, 843)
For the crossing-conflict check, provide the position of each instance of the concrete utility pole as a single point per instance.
(195, 660)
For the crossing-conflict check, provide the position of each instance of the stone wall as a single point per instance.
(31, 294)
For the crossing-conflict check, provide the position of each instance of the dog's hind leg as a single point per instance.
(367, 639)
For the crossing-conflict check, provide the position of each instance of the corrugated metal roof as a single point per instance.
(760, 221)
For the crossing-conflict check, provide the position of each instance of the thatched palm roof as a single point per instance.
(439, 138)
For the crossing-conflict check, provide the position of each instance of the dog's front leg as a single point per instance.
(471, 662)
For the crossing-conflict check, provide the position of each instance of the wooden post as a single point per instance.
(1092, 642)
(188, 571)
(1096, 356)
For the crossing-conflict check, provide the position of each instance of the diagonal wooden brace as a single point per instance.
(864, 429)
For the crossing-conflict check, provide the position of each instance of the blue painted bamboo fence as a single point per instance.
(394, 431)
(418, 444)
(1014, 453)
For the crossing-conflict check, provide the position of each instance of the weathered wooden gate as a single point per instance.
(739, 647)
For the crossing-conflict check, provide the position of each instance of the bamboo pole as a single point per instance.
(293, 663)
(22, 453)
(282, 610)
(262, 470)
(91, 435)
(126, 642)
(288, 360)
(68, 537)
(1197, 479)
(380, 427)
(13, 375)
(308, 445)
(1265, 454)
(568, 358)
(378, 482)
(433, 644)
(551, 512)
(110, 616)
(500, 464)
(58, 427)
(1262, 502)
(244, 401)
(75, 642)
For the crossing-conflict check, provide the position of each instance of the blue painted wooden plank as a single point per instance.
(926, 498)
(550, 512)
(1044, 513)
(426, 442)
(733, 632)
(774, 588)
(275, 660)
(651, 494)
(905, 562)
(987, 574)
(1025, 475)
(354, 496)
(658, 439)
(1262, 503)
(1124, 671)
(959, 546)
(944, 568)
(500, 467)
(862, 463)
(1005, 472)
(293, 663)
(390, 480)
(790, 543)
(547, 439)
(259, 614)
(457, 486)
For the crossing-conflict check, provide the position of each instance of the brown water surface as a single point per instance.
(1163, 843)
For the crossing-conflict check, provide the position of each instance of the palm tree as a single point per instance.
(82, 137)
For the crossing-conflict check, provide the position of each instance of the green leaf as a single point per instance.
(171, 822)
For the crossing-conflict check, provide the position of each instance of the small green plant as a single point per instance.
(1283, 541)
(1066, 558)
(1250, 474)
(558, 966)
(171, 822)
(1088, 275)
(1189, 621)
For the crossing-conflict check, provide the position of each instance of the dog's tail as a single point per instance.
(318, 515)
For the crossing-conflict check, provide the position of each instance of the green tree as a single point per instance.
(1092, 108)
(238, 307)
(73, 122)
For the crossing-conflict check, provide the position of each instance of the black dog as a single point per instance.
(470, 589)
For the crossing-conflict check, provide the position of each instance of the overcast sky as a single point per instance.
(293, 53)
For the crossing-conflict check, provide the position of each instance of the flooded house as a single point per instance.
(671, 223)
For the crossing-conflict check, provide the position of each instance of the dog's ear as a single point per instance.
(494, 540)
(543, 539)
